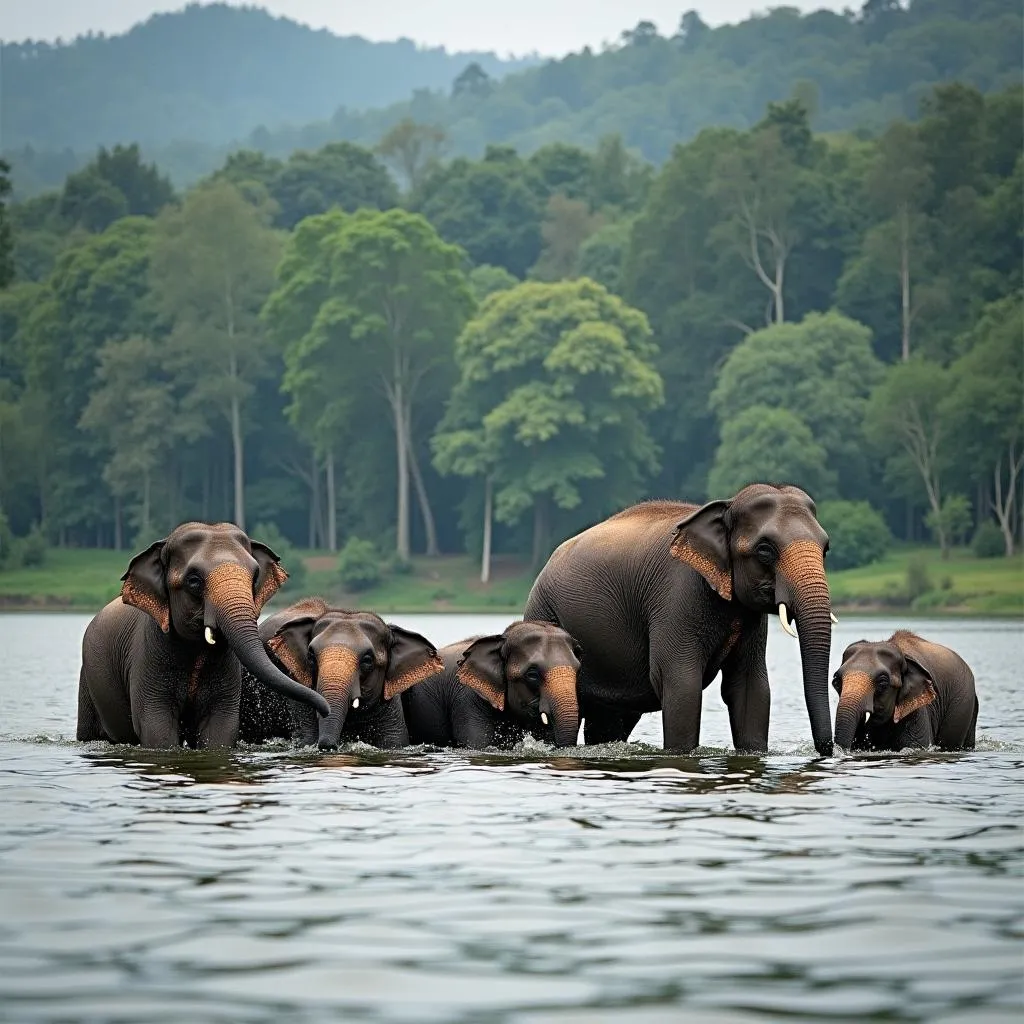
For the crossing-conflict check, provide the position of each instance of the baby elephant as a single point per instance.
(497, 688)
(356, 660)
(904, 692)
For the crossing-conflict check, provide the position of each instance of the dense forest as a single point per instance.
(391, 350)
(191, 88)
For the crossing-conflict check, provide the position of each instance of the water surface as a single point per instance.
(610, 884)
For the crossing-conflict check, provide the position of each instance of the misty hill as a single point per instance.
(207, 74)
(856, 71)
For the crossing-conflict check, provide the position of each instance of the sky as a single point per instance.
(548, 27)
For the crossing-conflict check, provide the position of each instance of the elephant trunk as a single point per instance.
(856, 700)
(229, 599)
(338, 681)
(558, 698)
(801, 581)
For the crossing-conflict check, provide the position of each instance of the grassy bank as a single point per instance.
(908, 581)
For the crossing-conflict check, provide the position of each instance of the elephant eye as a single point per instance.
(765, 551)
(194, 584)
(882, 680)
(577, 652)
(533, 675)
(366, 662)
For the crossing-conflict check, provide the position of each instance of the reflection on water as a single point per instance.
(602, 884)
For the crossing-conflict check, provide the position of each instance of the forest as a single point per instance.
(388, 352)
(193, 87)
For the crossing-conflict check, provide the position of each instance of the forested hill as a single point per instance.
(193, 87)
(207, 74)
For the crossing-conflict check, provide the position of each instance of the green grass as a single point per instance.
(86, 580)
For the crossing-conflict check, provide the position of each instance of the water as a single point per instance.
(608, 885)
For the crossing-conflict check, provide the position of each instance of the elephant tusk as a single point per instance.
(209, 636)
(544, 718)
(786, 624)
(867, 717)
(832, 616)
(355, 702)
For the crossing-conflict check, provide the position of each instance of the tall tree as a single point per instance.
(556, 382)
(212, 269)
(6, 241)
(568, 223)
(411, 149)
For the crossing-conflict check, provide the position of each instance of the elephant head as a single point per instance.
(353, 659)
(765, 549)
(207, 583)
(528, 672)
(879, 685)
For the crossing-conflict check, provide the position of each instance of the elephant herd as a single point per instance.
(638, 613)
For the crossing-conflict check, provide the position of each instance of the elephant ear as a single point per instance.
(412, 659)
(271, 575)
(482, 668)
(701, 541)
(288, 635)
(145, 584)
(917, 690)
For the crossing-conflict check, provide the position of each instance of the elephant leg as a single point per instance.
(969, 740)
(219, 729)
(159, 729)
(89, 726)
(604, 724)
(746, 693)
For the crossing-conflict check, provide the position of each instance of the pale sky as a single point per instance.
(550, 27)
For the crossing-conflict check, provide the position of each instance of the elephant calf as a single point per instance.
(355, 660)
(495, 689)
(904, 692)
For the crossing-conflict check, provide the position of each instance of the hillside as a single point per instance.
(194, 86)
(207, 74)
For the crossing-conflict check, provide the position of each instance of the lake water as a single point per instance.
(598, 885)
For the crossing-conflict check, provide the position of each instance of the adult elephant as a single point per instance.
(162, 663)
(356, 660)
(495, 689)
(665, 594)
(904, 692)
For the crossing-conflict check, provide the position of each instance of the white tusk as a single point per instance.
(209, 636)
(355, 702)
(832, 616)
(544, 717)
(784, 619)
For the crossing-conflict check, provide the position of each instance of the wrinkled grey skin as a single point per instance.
(347, 656)
(904, 692)
(149, 675)
(494, 690)
(664, 595)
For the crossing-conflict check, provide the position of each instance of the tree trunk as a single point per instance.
(540, 530)
(1004, 504)
(905, 281)
(399, 411)
(485, 559)
(429, 526)
(780, 272)
(332, 505)
(314, 498)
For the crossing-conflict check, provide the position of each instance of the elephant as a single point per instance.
(495, 689)
(162, 663)
(664, 595)
(356, 660)
(904, 692)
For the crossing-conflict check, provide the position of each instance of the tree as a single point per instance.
(567, 225)
(212, 268)
(602, 254)
(340, 174)
(396, 297)
(485, 279)
(822, 371)
(132, 410)
(762, 443)
(903, 421)
(412, 149)
(556, 382)
(472, 81)
(6, 241)
(985, 411)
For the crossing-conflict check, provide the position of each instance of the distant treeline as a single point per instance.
(529, 343)
(194, 86)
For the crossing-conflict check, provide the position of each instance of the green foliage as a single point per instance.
(988, 541)
(294, 564)
(601, 255)
(485, 279)
(765, 444)
(34, 547)
(6, 242)
(858, 535)
(359, 565)
(952, 520)
(7, 542)
(918, 580)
